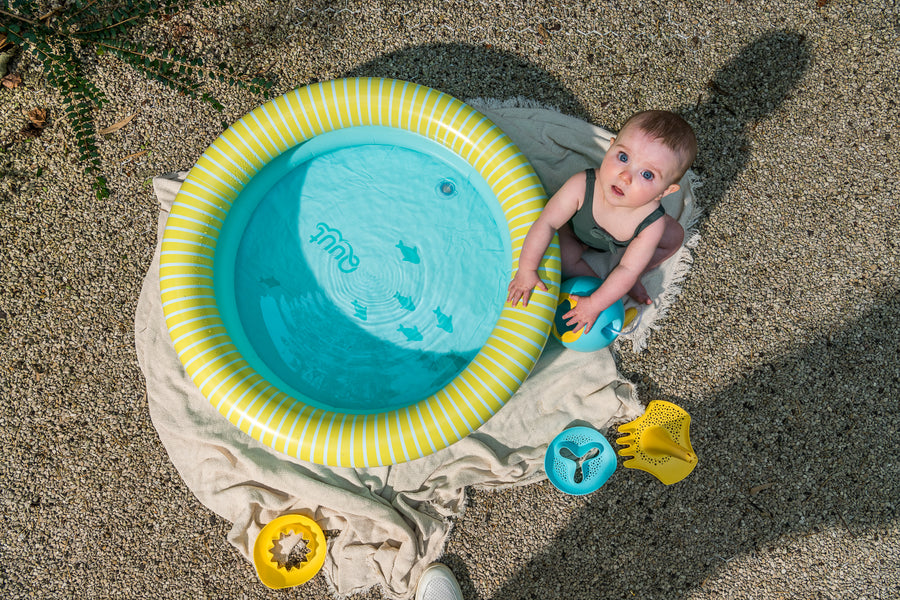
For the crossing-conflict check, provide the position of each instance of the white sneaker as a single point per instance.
(438, 583)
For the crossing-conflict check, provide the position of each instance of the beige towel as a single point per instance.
(393, 521)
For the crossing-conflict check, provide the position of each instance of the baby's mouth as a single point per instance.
(617, 191)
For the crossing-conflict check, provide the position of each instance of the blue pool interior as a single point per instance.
(362, 270)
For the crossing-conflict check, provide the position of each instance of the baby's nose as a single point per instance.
(625, 175)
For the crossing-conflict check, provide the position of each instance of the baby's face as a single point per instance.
(637, 169)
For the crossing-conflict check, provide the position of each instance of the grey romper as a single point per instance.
(587, 230)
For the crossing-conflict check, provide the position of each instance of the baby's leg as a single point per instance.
(571, 249)
(672, 238)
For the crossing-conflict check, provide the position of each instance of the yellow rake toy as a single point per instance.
(659, 442)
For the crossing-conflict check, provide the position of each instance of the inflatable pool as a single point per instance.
(334, 269)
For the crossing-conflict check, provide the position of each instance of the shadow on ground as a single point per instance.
(465, 72)
(818, 464)
(744, 91)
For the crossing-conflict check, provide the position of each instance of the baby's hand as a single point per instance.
(522, 285)
(584, 314)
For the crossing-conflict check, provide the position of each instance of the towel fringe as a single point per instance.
(515, 102)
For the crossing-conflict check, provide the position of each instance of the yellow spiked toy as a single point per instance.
(659, 442)
(275, 542)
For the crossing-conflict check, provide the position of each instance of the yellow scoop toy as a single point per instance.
(274, 545)
(659, 442)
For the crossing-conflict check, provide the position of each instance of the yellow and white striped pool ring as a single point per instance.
(293, 425)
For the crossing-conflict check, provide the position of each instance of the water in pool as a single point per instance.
(369, 276)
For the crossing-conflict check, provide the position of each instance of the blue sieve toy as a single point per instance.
(579, 460)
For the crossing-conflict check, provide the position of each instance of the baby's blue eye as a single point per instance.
(647, 175)
(623, 157)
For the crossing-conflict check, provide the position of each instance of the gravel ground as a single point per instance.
(782, 346)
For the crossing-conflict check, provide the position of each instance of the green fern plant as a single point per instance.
(56, 37)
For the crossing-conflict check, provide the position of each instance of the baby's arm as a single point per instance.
(619, 281)
(558, 211)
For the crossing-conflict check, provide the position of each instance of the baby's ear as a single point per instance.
(671, 189)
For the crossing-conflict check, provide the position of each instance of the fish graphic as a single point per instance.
(269, 281)
(361, 311)
(412, 333)
(410, 254)
(405, 301)
(445, 322)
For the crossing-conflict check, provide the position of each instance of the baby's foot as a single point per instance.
(639, 294)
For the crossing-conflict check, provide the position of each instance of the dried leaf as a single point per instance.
(758, 488)
(12, 80)
(181, 30)
(135, 155)
(117, 126)
(821, 3)
(6, 54)
(543, 31)
(31, 131)
(38, 117)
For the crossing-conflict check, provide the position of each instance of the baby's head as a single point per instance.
(671, 131)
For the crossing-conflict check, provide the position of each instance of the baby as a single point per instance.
(613, 208)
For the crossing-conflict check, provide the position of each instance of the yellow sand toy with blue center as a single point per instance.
(659, 442)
